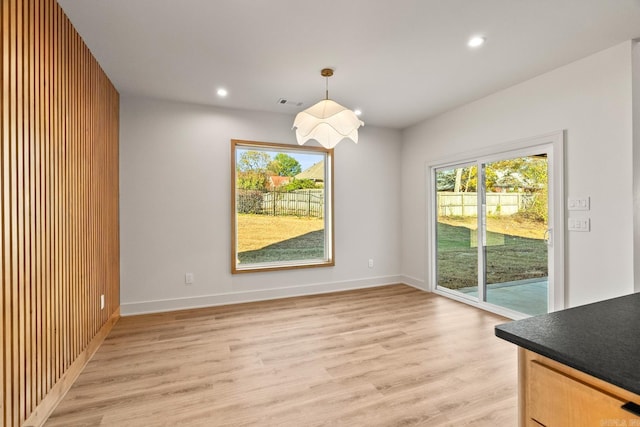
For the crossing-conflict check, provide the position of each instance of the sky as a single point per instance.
(306, 160)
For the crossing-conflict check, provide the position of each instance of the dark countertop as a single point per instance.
(601, 339)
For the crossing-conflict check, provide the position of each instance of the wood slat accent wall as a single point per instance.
(58, 202)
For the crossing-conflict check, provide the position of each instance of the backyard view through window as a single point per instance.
(491, 231)
(282, 206)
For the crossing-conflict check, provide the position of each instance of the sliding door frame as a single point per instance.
(553, 144)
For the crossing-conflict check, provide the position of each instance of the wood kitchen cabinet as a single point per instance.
(554, 395)
(579, 366)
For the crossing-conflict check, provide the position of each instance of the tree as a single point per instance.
(252, 170)
(522, 173)
(284, 165)
(469, 179)
(252, 181)
(527, 174)
(445, 180)
(457, 180)
(253, 161)
(299, 184)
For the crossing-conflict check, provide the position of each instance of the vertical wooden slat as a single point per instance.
(55, 189)
(76, 188)
(90, 183)
(82, 193)
(66, 42)
(4, 307)
(61, 193)
(50, 179)
(30, 315)
(78, 170)
(58, 205)
(14, 143)
(48, 133)
(33, 283)
(53, 205)
(38, 306)
(73, 180)
(23, 231)
(44, 227)
(69, 191)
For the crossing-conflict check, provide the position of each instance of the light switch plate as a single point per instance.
(579, 224)
(579, 203)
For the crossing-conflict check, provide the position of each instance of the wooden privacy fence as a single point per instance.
(466, 204)
(309, 203)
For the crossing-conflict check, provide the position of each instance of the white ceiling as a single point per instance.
(400, 61)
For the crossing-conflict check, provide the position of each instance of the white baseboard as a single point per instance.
(157, 306)
(414, 282)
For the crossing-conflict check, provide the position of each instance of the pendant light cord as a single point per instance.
(327, 87)
(326, 73)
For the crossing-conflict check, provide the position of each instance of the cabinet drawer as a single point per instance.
(558, 400)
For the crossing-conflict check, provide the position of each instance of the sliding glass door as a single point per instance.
(515, 211)
(491, 237)
(456, 231)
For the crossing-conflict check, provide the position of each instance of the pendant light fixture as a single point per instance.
(327, 121)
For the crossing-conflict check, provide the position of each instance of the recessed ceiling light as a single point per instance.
(358, 112)
(476, 41)
(222, 92)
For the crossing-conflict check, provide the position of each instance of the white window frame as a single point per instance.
(553, 143)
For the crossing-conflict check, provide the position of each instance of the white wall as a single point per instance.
(175, 214)
(591, 100)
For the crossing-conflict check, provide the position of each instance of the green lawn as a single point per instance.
(305, 247)
(264, 238)
(509, 258)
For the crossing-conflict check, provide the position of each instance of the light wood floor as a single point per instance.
(378, 357)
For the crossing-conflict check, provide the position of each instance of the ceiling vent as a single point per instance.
(285, 101)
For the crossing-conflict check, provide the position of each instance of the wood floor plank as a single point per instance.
(375, 357)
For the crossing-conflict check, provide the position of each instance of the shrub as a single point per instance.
(298, 184)
(249, 201)
(537, 208)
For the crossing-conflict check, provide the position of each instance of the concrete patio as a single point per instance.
(524, 296)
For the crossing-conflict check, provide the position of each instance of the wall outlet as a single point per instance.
(370, 262)
(102, 302)
(188, 278)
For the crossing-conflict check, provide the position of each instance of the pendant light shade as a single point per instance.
(327, 122)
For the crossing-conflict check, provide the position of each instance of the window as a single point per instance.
(282, 206)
